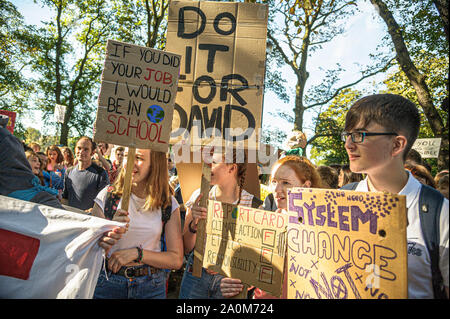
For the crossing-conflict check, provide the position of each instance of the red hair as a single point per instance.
(303, 168)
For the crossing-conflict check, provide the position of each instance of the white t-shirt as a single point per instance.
(419, 262)
(145, 226)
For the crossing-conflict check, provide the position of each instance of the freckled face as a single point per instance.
(283, 177)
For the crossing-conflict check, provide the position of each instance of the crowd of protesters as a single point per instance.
(379, 133)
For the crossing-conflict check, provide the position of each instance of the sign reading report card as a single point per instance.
(223, 49)
(246, 243)
(135, 106)
(346, 245)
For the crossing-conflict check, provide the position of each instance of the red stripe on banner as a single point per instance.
(17, 254)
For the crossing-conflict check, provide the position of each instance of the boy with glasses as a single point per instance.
(379, 132)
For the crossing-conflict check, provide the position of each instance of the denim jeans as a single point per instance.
(206, 287)
(152, 286)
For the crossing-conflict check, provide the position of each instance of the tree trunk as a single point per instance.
(416, 79)
(442, 6)
(63, 139)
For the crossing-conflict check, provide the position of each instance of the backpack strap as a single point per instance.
(269, 203)
(350, 186)
(111, 203)
(430, 205)
(256, 202)
(165, 216)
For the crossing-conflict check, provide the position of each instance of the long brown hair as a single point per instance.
(70, 153)
(157, 185)
(56, 149)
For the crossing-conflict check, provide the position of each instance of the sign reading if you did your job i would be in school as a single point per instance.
(138, 91)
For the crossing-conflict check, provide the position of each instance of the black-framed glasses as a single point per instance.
(358, 137)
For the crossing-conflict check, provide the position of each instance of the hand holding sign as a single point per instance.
(198, 212)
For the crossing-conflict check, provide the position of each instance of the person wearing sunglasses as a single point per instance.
(379, 132)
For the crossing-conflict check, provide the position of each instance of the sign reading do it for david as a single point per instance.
(223, 48)
(135, 105)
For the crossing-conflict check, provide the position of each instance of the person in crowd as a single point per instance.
(106, 149)
(54, 171)
(227, 180)
(264, 189)
(69, 159)
(439, 175)
(55, 159)
(289, 171)
(442, 185)
(379, 132)
(43, 159)
(134, 267)
(421, 174)
(329, 176)
(35, 164)
(175, 184)
(16, 177)
(35, 147)
(346, 176)
(100, 156)
(116, 163)
(414, 157)
(84, 181)
(172, 168)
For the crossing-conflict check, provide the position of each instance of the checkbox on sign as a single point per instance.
(266, 274)
(268, 237)
(266, 255)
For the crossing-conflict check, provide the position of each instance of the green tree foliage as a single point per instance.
(297, 29)
(417, 35)
(142, 22)
(65, 56)
(327, 147)
(17, 49)
(69, 61)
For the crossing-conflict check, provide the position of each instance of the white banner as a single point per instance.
(47, 252)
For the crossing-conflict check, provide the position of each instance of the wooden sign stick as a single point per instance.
(201, 227)
(127, 185)
(243, 293)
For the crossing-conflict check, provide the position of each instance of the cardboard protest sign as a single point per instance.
(246, 243)
(11, 121)
(138, 91)
(345, 244)
(223, 48)
(428, 147)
